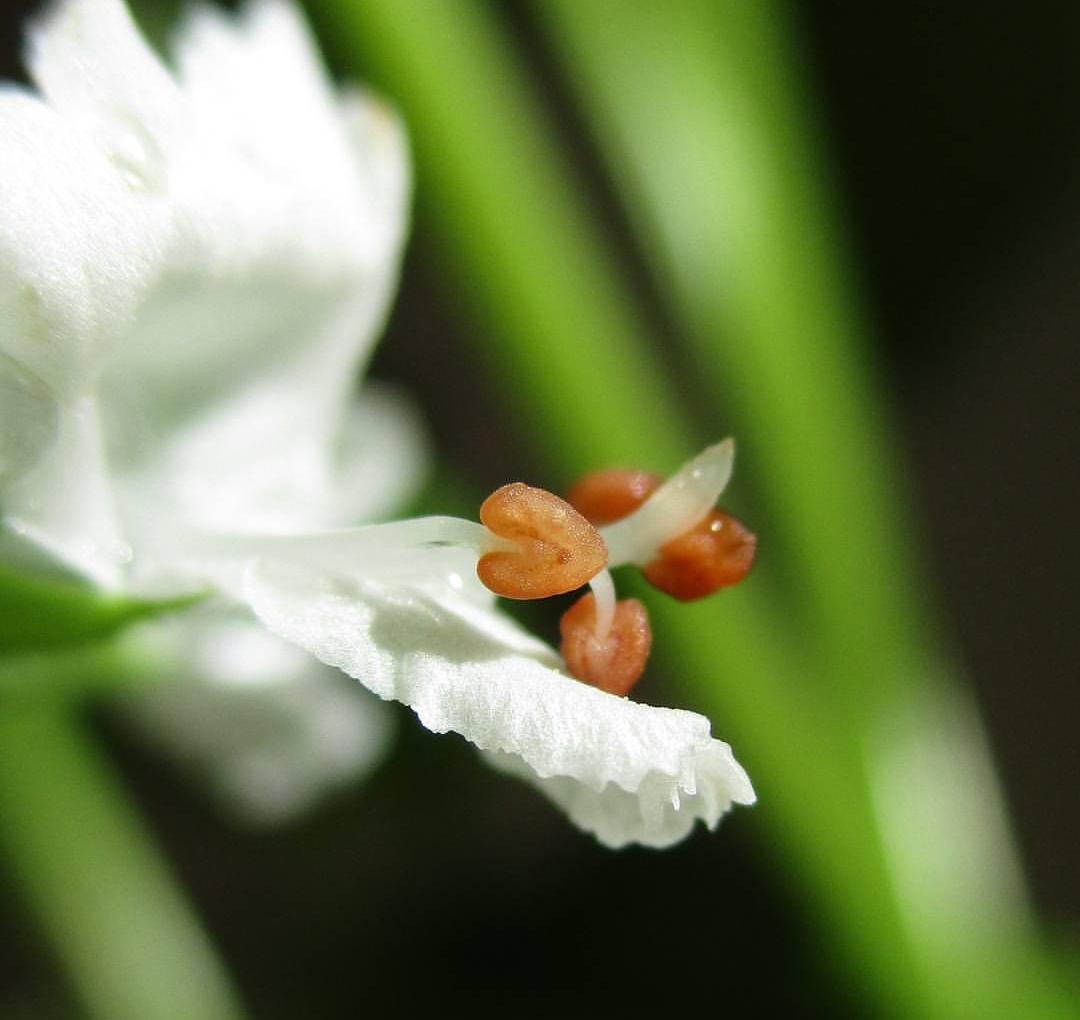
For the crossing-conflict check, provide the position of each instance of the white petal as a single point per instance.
(28, 420)
(272, 166)
(64, 503)
(77, 246)
(624, 771)
(683, 500)
(214, 254)
(267, 453)
(272, 730)
(380, 146)
(94, 68)
(381, 459)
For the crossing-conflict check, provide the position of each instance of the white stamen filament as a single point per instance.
(604, 590)
(677, 506)
(390, 551)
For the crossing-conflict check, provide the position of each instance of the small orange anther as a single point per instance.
(616, 662)
(717, 553)
(608, 496)
(558, 549)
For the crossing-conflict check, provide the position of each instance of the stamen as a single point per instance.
(615, 662)
(604, 590)
(555, 549)
(672, 510)
(716, 554)
(604, 497)
(684, 546)
(377, 549)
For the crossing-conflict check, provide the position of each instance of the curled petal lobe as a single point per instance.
(380, 146)
(624, 771)
(713, 550)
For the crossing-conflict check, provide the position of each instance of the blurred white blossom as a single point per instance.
(194, 264)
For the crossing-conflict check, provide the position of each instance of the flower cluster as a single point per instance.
(194, 263)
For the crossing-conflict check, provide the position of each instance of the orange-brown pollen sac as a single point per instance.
(716, 553)
(613, 661)
(608, 496)
(557, 551)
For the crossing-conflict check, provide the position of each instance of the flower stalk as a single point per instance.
(129, 942)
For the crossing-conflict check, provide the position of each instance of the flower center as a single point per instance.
(553, 549)
(531, 545)
(538, 545)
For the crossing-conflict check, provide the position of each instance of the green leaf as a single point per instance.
(38, 613)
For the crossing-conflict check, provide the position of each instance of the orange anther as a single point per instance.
(558, 550)
(719, 552)
(615, 662)
(608, 496)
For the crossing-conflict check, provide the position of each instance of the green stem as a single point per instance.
(128, 941)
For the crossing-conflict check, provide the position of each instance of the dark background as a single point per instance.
(955, 136)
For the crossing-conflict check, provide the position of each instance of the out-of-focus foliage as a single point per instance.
(39, 613)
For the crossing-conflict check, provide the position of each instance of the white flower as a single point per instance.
(192, 269)
(410, 621)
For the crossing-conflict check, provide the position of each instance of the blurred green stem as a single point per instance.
(127, 939)
(92, 668)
